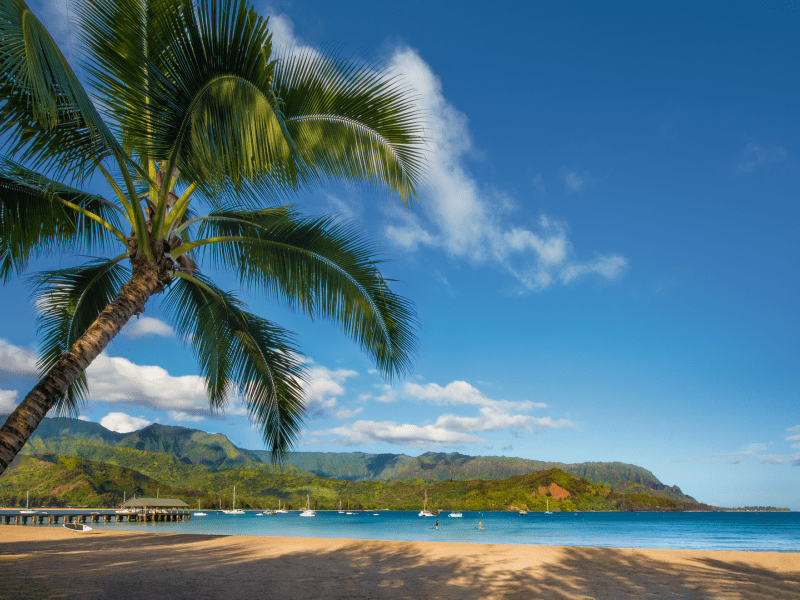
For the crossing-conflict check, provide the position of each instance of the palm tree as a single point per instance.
(197, 134)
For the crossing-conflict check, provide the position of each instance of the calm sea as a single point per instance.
(761, 532)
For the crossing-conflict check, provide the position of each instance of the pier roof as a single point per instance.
(155, 503)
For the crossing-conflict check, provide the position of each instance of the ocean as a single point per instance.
(759, 532)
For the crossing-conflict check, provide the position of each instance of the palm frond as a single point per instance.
(33, 222)
(204, 102)
(351, 121)
(46, 118)
(319, 267)
(237, 350)
(69, 301)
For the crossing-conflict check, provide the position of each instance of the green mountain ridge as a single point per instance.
(73, 437)
(58, 481)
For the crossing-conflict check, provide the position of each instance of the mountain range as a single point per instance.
(168, 450)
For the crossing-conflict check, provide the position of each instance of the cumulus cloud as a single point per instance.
(17, 362)
(145, 327)
(413, 436)
(794, 439)
(116, 379)
(122, 423)
(755, 157)
(460, 216)
(8, 401)
(449, 429)
(322, 387)
(461, 392)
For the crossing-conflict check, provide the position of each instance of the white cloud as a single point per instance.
(461, 392)
(322, 387)
(772, 459)
(794, 440)
(146, 326)
(116, 379)
(576, 182)
(795, 428)
(754, 157)
(8, 401)
(370, 432)
(468, 220)
(17, 362)
(461, 216)
(122, 423)
(493, 419)
(345, 413)
(180, 416)
(83, 418)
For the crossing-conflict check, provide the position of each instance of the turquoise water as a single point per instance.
(761, 532)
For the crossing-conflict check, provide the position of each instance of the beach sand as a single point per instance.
(52, 562)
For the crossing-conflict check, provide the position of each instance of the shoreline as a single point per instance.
(55, 562)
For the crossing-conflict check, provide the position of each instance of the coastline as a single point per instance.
(53, 562)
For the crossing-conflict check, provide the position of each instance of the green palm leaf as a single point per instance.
(351, 121)
(320, 267)
(237, 350)
(33, 222)
(69, 300)
(46, 118)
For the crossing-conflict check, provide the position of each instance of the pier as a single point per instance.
(147, 515)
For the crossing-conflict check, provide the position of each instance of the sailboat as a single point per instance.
(27, 510)
(234, 510)
(123, 510)
(199, 513)
(281, 511)
(308, 512)
(547, 511)
(341, 512)
(424, 512)
(348, 508)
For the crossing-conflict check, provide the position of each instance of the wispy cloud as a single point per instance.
(755, 157)
(461, 216)
(575, 181)
(389, 432)
(449, 429)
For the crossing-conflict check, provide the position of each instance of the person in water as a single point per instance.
(437, 523)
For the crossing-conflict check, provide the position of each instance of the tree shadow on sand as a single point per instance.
(173, 566)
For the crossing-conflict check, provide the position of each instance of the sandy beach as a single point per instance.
(52, 562)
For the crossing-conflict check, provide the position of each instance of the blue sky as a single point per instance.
(604, 259)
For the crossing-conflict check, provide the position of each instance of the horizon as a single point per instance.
(604, 260)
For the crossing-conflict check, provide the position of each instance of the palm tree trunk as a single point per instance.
(27, 416)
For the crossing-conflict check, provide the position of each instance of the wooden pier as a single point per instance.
(151, 515)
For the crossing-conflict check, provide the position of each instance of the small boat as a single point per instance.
(424, 512)
(77, 527)
(308, 512)
(199, 512)
(234, 510)
(523, 512)
(456, 514)
(349, 513)
(341, 512)
(375, 515)
(547, 511)
(27, 510)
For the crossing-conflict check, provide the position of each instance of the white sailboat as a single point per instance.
(341, 512)
(308, 512)
(199, 512)
(234, 510)
(281, 511)
(424, 512)
(547, 511)
(27, 510)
